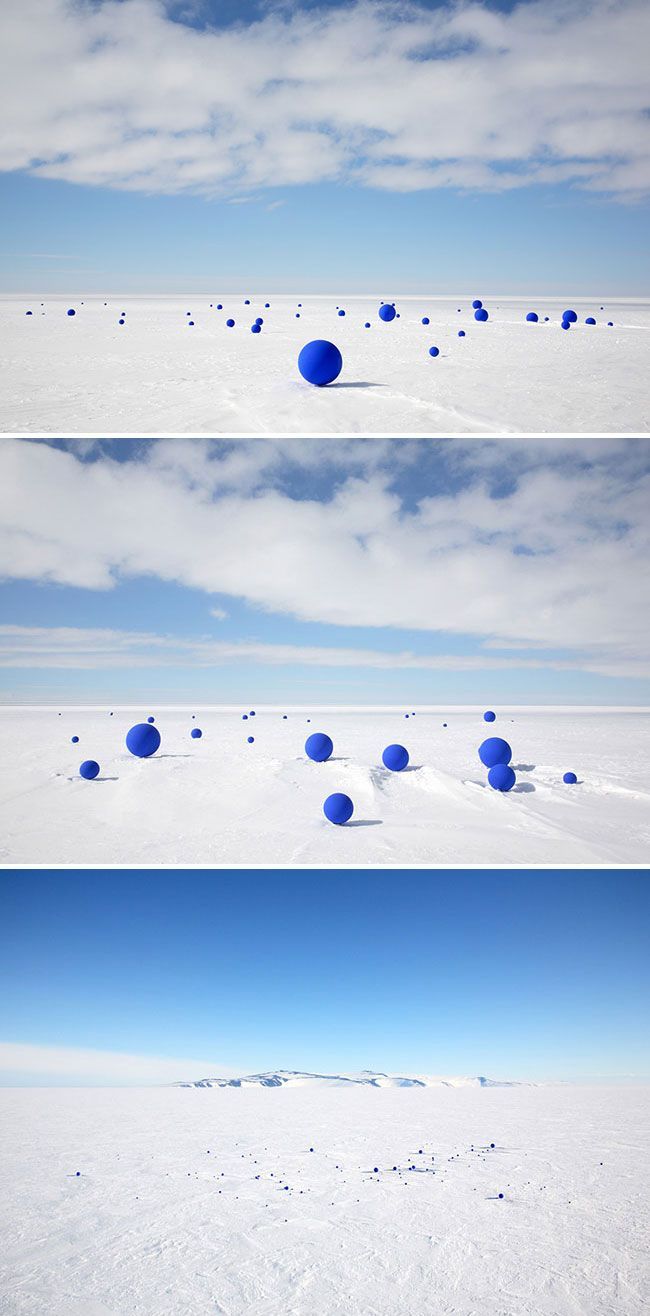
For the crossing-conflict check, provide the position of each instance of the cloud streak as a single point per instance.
(388, 96)
(70, 1065)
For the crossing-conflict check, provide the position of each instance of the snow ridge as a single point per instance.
(365, 1078)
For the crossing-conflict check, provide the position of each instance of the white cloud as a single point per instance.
(389, 95)
(85, 1066)
(558, 562)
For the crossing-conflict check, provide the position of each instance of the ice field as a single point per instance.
(222, 801)
(89, 374)
(134, 1202)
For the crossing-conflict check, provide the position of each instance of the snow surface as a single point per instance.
(196, 1202)
(220, 801)
(88, 374)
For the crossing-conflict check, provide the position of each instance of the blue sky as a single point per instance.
(514, 975)
(305, 571)
(321, 147)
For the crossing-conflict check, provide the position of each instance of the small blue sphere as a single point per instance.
(256, 328)
(367, 324)
(477, 305)
(386, 312)
(434, 351)
(151, 719)
(190, 323)
(570, 316)
(494, 750)
(247, 302)
(251, 712)
(122, 322)
(338, 808)
(230, 324)
(610, 324)
(250, 740)
(590, 320)
(71, 312)
(461, 333)
(501, 777)
(489, 716)
(266, 306)
(143, 740)
(533, 317)
(341, 312)
(220, 306)
(244, 717)
(259, 320)
(481, 314)
(89, 769)
(28, 312)
(320, 362)
(570, 778)
(395, 757)
(195, 733)
(425, 319)
(566, 324)
(75, 740)
(318, 747)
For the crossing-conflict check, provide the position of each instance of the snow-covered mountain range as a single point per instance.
(366, 1078)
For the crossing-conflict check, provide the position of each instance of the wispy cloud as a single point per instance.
(391, 95)
(66, 1064)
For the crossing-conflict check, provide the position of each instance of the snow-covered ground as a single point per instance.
(167, 1201)
(222, 801)
(88, 374)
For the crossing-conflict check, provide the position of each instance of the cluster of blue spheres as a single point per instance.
(320, 362)
(143, 740)
(338, 808)
(318, 747)
(495, 754)
(395, 758)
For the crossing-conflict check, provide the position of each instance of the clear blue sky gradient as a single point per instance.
(520, 974)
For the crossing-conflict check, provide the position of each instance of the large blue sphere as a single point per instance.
(318, 747)
(501, 777)
(89, 769)
(494, 750)
(434, 351)
(489, 716)
(570, 778)
(320, 362)
(143, 740)
(481, 314)
(195, 733)
(570, 316)
(395, 757)
(338, 808)
(386, 311)
(533, 317)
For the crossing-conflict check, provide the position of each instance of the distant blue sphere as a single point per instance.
(395, 757)
(590, 320)
(318, 747)
(494, 750)
(259, 320)
(461, 333)
(71, 312)
(244, 717)
(434, 351)
(489, 716)
(220, 306)
(341, 312)
(89, 769)
(501, 777)
(75, 740)
(570, 778)
(247, 302)
(122, 322)
(338, 808)
(28, 312)
(533, 317)
(143, 740)
(151, 719)
(250, 740)
(425, 319)
(610, 324)
(230, 324)
(320, 362)
(481, 315)
(477, 305)
(386, 311)
(266, 306)
(195, 733)
(251, 712)
(256, 328)
(367, 324)
(570, 316)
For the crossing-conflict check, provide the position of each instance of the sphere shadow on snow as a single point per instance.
(356, 383)
(523, 788)
(523, 767)
(364, 822)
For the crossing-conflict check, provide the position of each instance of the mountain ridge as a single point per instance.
(364, 1078)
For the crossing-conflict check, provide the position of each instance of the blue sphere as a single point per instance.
(195, 733)
(341, 312)
(266, 306)
(367, 324)
(75, 740)
(461, 333)
(143, 740)
(338, 808)
(244, 717)
(590, 320)
(533, 317)
(425, 319)
(259, 320)
(610, 324)
(122, 322)
(28, 312)
(489, 716)
(501, 777)
(256, 328)
(89, 769)
(386, 312)
(320, 362)
(570, 316)
(250, 740)
(220, 306)
(566, 324)
(151, 719)
(395, 757)
(570, 778)
(477, 305)
(434, 351)
(318, 747)
(251, 712)
(481, 314)
(71, 312)
(247, 301)
(494, 750)
(230, 324)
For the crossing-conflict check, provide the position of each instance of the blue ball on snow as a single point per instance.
(338, 808)
(386, 312)
(533, 317)
(461, 333)
(501, 777)
(494, 750)
(566, 324)
(481, 314)
(395, 758)
(71, 312)
(195, 733)
(425, 319)
(250, 740)
(434, 351)
(341, 312)
(476, 305)
(256, 328)
(590, 320)
(570, 778)
(230, 324)
(570, 316)
(367, 324)
(89, 770)
(489, 716)
(75, 740)
(151, 719)
(320, 362)
(143, 740)
(318, 747)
